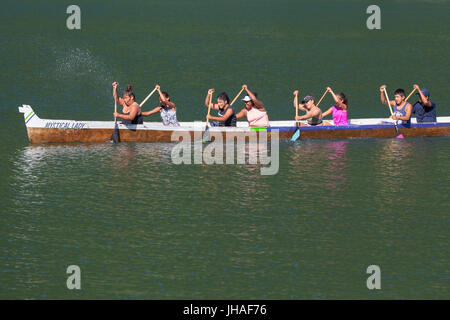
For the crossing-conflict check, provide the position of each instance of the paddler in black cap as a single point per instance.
(313, 113)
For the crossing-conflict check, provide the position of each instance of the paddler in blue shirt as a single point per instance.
(424, 108)
(401, 108)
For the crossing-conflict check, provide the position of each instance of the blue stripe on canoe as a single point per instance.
(30, 118)
(358, 127)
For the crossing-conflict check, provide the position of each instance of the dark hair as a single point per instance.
(344, 98)
(165, 95)
(400, 92)
(224, 96)
(129, 91)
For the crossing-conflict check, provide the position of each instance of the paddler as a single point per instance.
(339, 110)
(424, 108)
(401, 108)
(131, 110)
(254, 110)
(166, 108)
(227, 116)
(313, 113)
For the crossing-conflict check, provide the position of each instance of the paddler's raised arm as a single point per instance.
(336, 100)
(300, 106)
(383, 96)
(255, 100)
(164, 101)
(426, 100)
(207, 99)
(115, 93)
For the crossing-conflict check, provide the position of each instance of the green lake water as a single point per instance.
(141, 227)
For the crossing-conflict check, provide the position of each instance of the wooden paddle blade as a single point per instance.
(206, 136)
(115, 136)
(296, 135)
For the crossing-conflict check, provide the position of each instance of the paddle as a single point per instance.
(206, 135)
(115, 136)
(323, 96)
(399, 135)
(296, 134)
(410, 94)
(148, 97)
(237, 96)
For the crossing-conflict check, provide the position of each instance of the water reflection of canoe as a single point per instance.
(45, 130)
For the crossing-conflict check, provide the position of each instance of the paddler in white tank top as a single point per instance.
(254, 110)
(166, 108)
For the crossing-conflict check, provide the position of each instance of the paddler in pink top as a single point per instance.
(254, 110)
(339, 110)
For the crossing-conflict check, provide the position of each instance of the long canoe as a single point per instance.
(46, 130)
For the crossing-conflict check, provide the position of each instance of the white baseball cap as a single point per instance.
(246, 99)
